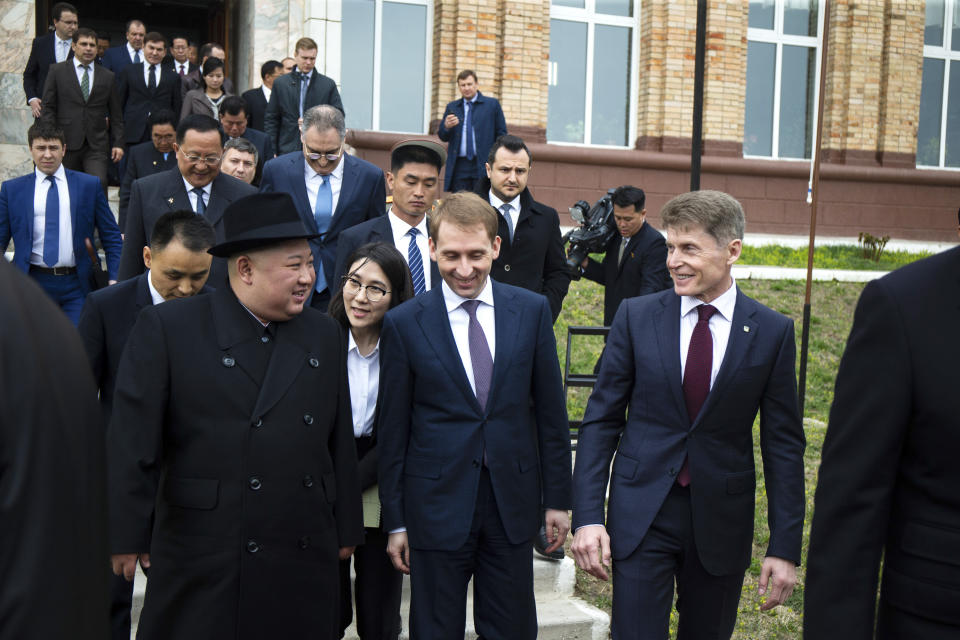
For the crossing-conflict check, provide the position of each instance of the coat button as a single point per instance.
(314, 362)
(254, 483)
(258, 422)
(228, 361)
(252, 546)
(672, 471)
(506, 267)
(308, 481)
(264, 339)
(307, 418)
(304, 542)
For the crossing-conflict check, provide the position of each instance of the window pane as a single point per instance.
(955, 27)
(566, 107)
(761, 14)
(952, 142)
(933, 29)
(402, 81)
(576, 4)
(800, 17)
(611, 85)
(615, 7)
(796, 101)
(356, 70)
(758, 109)
(931, 105)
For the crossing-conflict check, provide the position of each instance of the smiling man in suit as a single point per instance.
(47, 50)
(196, 184)
(80, 98)
(147, 87)
(473, 434)
(333, 190)
(148, 158)
(680, 384)
(414, 180)
(50, 214)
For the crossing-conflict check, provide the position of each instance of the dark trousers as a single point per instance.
(121, 599)
(91, 161)
(377, 590)
(503, 604)
(65, 291)
(643, 582)
(897, 624)
(464, 176)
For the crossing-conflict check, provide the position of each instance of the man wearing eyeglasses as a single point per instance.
(196, 184)
(333, 191)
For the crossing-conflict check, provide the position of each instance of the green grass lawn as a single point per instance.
(826, 257)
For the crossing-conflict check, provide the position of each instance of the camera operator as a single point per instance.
(635, 263)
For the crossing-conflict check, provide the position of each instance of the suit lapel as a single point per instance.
(286, 361)
(297, 172)
(26, 211)
(143, 298)
(218, 202)
(506, 319)
(176, 197)
(667, 321)
(631, 246)
(73, 188)
(743, 328)
(434, 323)
(347, 186)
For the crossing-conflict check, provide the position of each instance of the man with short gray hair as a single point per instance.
(333, 190)
(693, 366)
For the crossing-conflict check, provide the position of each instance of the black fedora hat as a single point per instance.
(258, 220)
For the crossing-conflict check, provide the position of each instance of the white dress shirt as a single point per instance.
(154, 294)
(146, 73)
(181, 66)
(78, 67)
(313, 181)
(131, 52)
(460, 324)
(720, 323)
(496, 203)
(363, 376)
(207, 190)
(402, 241)
(61, 49)
(266, 92)
(65, 257)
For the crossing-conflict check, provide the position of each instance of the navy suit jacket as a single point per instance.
(88, 210)
(41, 57)
(363, 197)
(139, 102)
(433, 433)
(376, 230)
(640, 369)
(488, 125)
(142, 160)
(117, 58)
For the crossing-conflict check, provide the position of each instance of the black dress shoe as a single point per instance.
(540, 544)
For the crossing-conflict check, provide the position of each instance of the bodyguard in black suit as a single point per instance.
(258, 98)
(145, 88)
(178, 265)
(889, 483)
(635, 262)
(233, 469)
(148, 158)
(233, 121)
(531, 253)
(47, 50)
(198, 152)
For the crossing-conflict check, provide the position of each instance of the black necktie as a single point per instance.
(153, 78)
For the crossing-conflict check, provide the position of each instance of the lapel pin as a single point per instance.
(170, 200)
(746, 329)
(154, 163)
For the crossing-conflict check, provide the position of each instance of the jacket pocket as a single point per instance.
(740, 482)
(935, 543)
(625, 466)
(192, 493)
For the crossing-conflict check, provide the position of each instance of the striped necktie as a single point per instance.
(415, 262)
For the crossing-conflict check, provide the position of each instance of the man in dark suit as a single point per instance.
(635, 262)
(258, 98)
(680, 384)
(195, 184)
(103, 43)
(889, 484)
(296, 93)
(177, 267)
(50, 214)
(47, 50)
(333, 191)
(130, 52)
(473, 435)
(80, 98)
(470, 125)
(531, 253)
(233, 472)
(53, 507)
(179, 57)
(193, 80)
(233, 120)
(147, 158)
(414, 180)
(147, 87)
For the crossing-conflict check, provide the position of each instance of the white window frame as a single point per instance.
(777, 37)
(589, 15)
(949, 57)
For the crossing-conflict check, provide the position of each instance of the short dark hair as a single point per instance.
(84, 32)
(511, 143)
(385, 256)
(626, 196)
(161, 116)
(413, 153)
(466, 73)
(197, 122)
(60, 7)
(208, 48)
(233, 106)
(210, 65)
(104, 37)
(269, 67)
(244, 146)
(42, 130)
(155, 36)
(179, 36)
(193, 231)
(129, 23)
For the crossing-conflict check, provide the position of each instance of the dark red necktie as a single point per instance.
(696, 374)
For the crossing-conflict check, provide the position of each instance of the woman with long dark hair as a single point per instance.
(377, 279)
(206, 100)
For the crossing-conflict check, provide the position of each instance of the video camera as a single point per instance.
(595, 230)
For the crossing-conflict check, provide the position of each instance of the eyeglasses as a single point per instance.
(354, 287)
(330, 157)
(193, 158)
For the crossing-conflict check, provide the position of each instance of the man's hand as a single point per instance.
(125, 564)
(346, 552)
(35, 107)
(591, 549)
(784, 577)
(451, 121)
(116, 153)
(559, 521)
(399, 551)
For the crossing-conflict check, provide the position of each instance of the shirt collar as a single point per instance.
(474, 100)
(497, 203)
(133, 52)
(206, 189)
(61, 41)
(154, 294)
(77, 64)
(724, 303)
(453, 300)
(402, 228)
(59, 174)
(336, 174)
(352, 346)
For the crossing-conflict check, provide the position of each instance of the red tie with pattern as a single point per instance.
(696, 374)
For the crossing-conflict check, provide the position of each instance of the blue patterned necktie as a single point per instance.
(480, 357)
(323, 214)
(505, 208)
(51, 224)
(304, 83)
(201, 205)
(136, 57)
(415, 262)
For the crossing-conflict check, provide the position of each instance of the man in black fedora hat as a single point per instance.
(233, 472)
